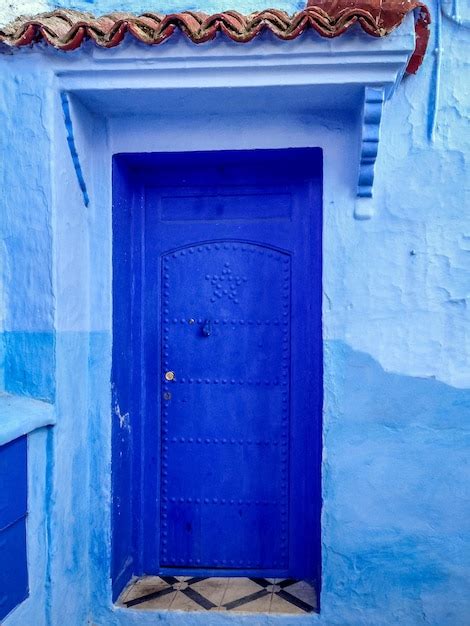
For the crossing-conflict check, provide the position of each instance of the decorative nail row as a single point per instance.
(284, 512)
(225, 322)
(165, 425)
(251, 248)
(233, 381)
(222, 441)
(232, 502)
(227, 562)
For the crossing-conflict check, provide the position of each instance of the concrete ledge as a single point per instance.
(20, 415)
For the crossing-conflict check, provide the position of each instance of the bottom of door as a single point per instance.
(240, 573)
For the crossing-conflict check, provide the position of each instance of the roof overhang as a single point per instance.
(68, 29)
(319, 71)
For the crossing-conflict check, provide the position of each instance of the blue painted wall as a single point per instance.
(396, 531)
(27, 315)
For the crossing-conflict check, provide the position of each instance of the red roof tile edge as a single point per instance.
(67, 29)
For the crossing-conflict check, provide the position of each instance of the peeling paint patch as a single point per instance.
(123, 418)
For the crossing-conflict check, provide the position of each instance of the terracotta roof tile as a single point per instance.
(67, 29)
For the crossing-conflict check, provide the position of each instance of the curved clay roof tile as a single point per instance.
(67, 29)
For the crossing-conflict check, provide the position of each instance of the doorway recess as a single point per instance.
(218, 363)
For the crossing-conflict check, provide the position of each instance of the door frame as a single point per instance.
(130, 225)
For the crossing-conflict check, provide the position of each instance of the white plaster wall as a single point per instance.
(10, 9)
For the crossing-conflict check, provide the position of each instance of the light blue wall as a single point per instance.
(100, 7)
(26, 261)
(396, 528)
(169, 6)
(140, 6)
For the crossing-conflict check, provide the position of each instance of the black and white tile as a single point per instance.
(251, 595)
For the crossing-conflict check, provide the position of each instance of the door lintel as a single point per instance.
(349, 76)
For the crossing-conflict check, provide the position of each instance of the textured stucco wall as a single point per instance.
(25, 247)
(12, 8)
(397, 381)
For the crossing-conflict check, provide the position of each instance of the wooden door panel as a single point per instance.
(226, 341)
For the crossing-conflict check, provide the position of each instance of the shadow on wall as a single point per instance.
(396, 518)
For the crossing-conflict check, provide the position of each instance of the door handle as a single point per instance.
(207, 328)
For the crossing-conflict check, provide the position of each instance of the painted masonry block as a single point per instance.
(13, 511)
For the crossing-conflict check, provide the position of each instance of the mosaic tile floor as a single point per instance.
(251, 595)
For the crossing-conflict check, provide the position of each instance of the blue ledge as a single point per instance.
(20, 415)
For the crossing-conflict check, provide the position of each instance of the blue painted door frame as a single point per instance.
(217, 366)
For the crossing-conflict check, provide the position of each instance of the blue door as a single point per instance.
(230, 332)
(225, 429)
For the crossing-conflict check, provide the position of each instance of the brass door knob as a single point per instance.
(170, 375)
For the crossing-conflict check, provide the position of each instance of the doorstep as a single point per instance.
(250, 595)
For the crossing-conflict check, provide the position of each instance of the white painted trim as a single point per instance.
(20, 416)
(334, 74)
